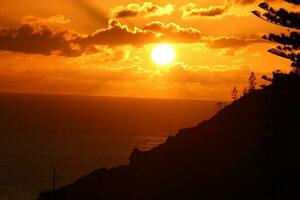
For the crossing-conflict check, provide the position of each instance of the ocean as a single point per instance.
(78, 134)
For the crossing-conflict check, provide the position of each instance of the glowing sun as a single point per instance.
(163, 54)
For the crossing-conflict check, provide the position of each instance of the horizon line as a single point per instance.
(107, 96)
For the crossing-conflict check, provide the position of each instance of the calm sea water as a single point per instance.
(77, 135)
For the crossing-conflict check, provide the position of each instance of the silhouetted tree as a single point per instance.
(234, 94)
(252, 82)
(289, 43)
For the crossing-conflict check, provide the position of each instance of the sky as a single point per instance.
(103, 47)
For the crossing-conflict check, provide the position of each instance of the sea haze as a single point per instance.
(78, 134)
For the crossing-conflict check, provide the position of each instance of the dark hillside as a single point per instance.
(249, 150)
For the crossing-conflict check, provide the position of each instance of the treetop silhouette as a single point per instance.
(289, 44)
(252, 82)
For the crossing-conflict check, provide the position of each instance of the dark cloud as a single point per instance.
(39, 39)
(148, 9)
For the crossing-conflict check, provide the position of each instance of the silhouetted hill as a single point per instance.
(249, 150)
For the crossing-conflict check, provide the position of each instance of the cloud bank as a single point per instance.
(35, 36)
(40, 38)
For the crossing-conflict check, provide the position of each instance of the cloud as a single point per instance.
(55, 19)
(232, 45)
(247, 2)
(37, 38)
(119, 34)
(148, 9)
(207, 75)
(174, 33)
(191, 10)
(105, 54)
(232, 42)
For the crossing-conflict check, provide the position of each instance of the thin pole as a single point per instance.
(54, 177)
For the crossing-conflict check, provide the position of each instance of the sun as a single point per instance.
(163, 54)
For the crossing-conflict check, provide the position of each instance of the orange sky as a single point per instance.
(103, 47)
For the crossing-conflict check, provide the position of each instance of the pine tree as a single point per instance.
(289, 44)
(252, 82)
(234, 94)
